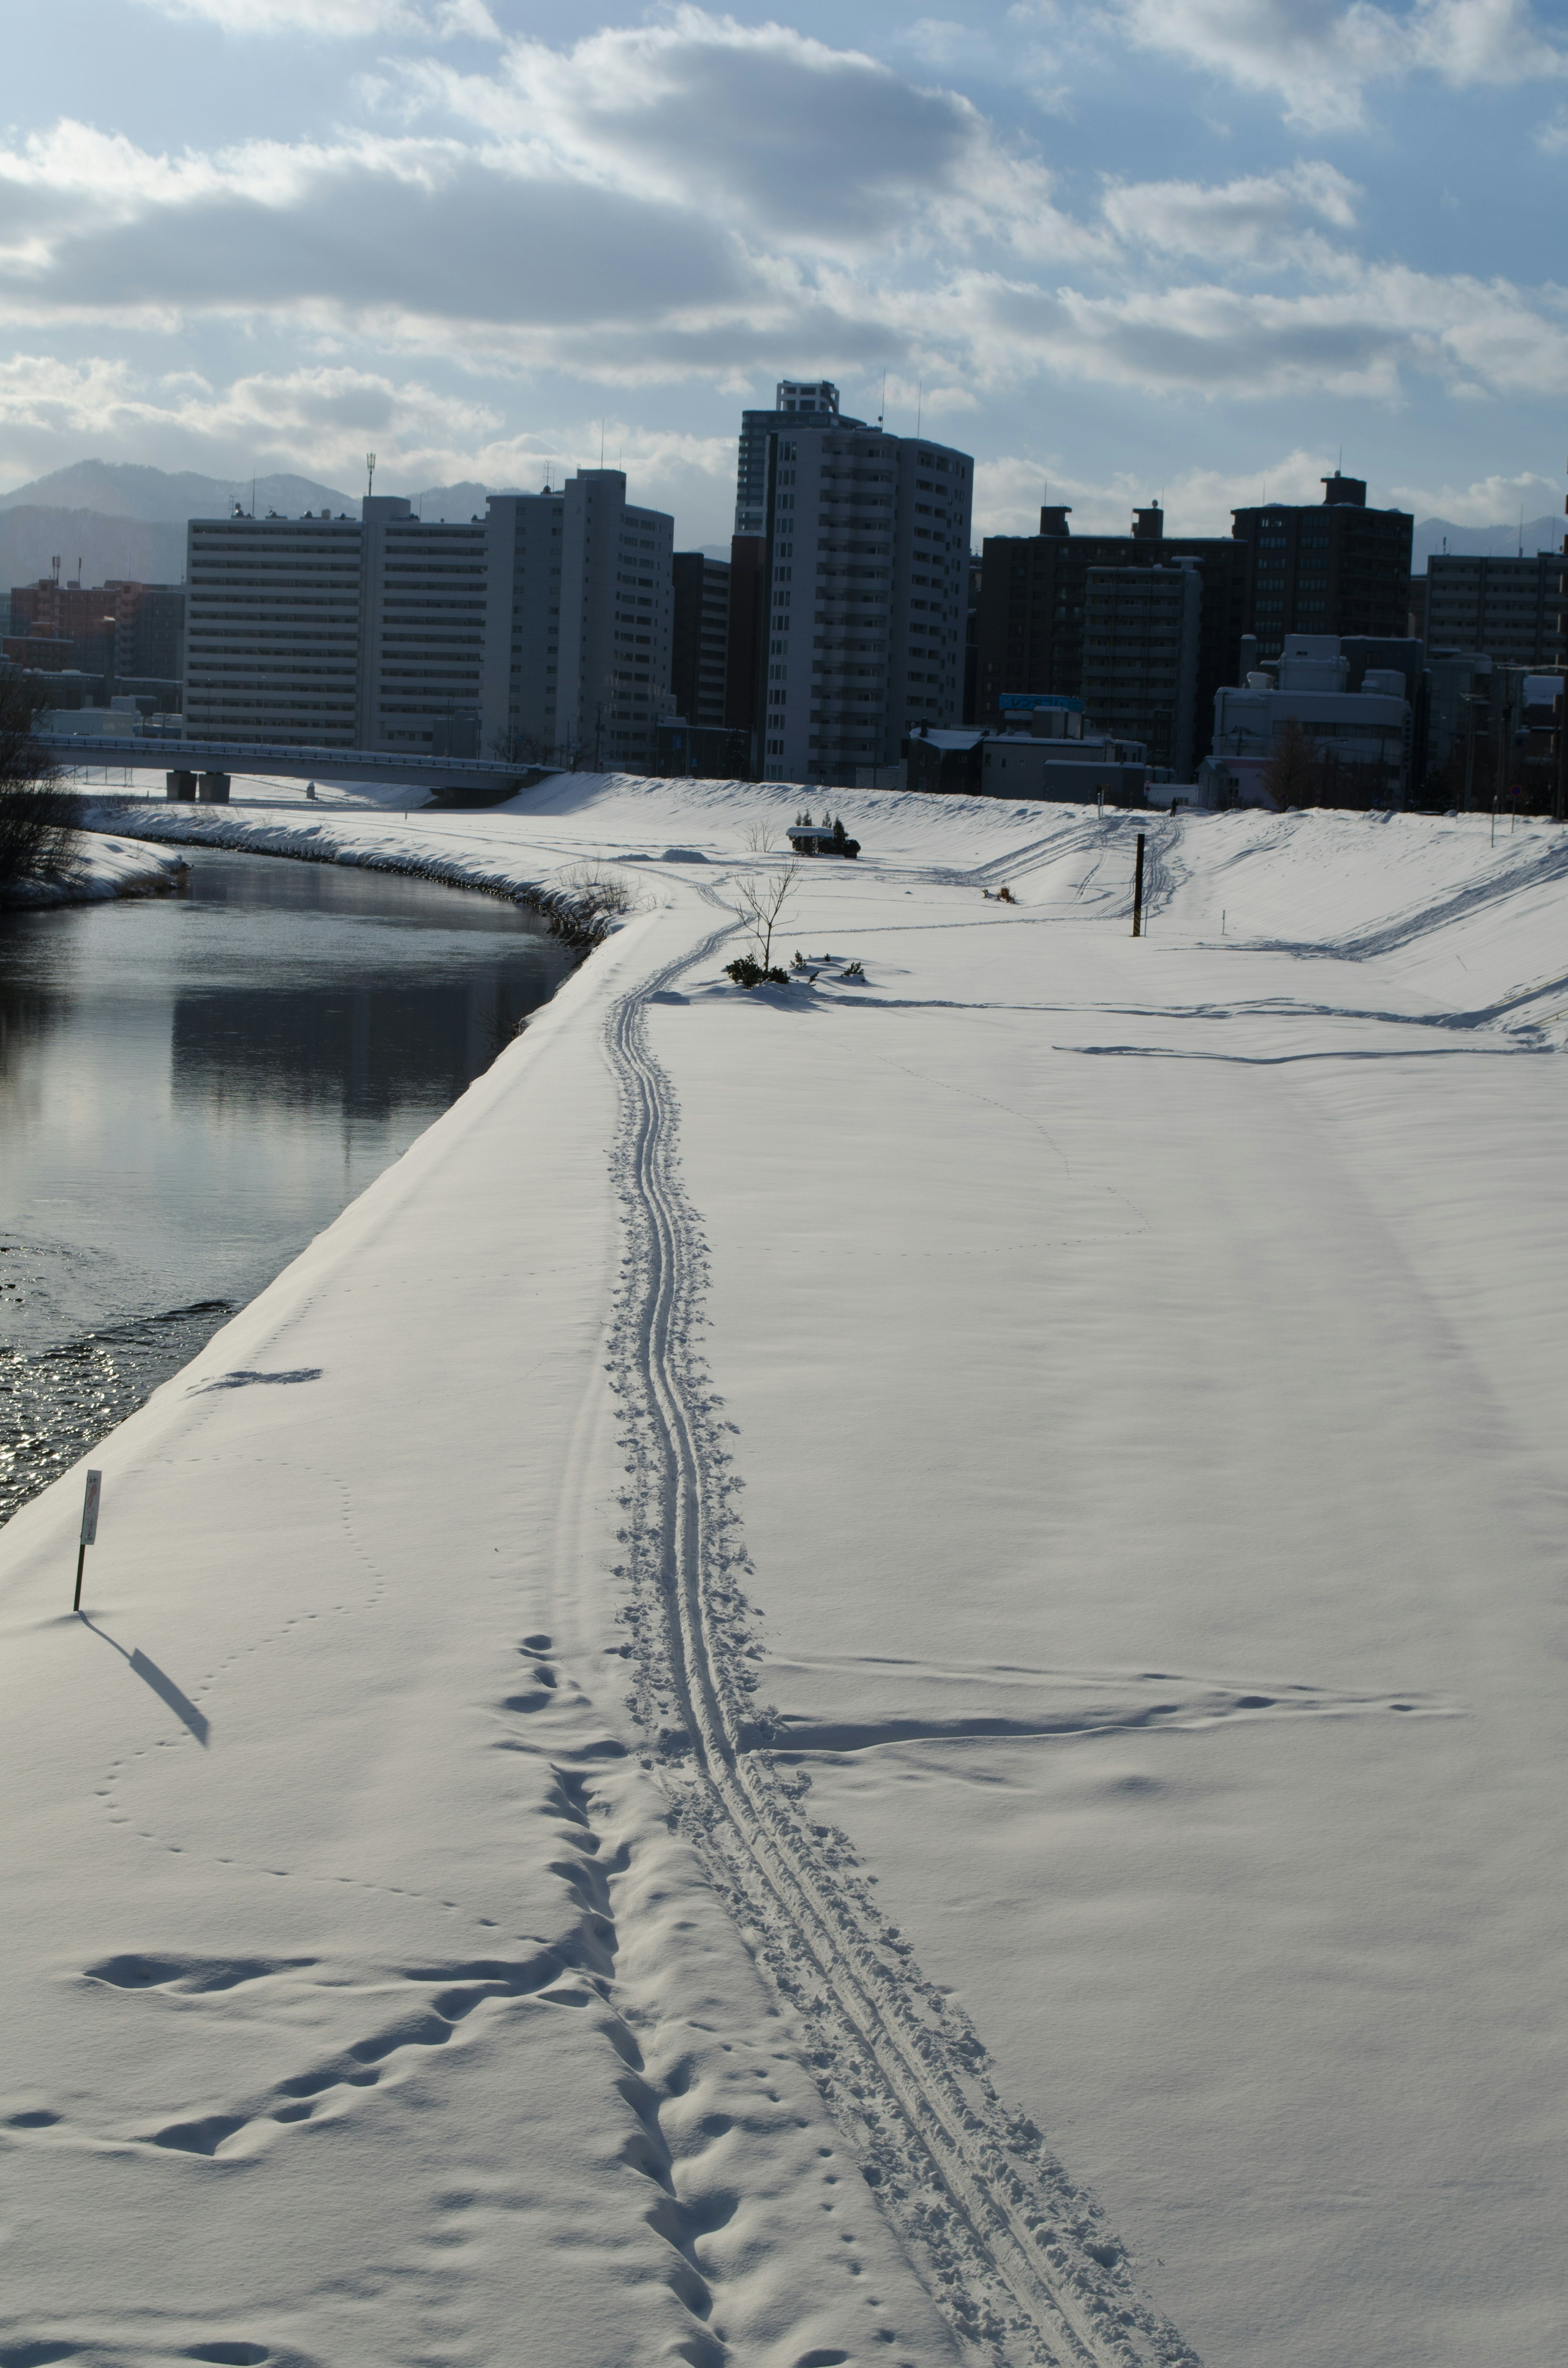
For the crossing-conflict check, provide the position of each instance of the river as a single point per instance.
(192, 1085)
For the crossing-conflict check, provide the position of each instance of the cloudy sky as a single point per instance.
(1134, 247)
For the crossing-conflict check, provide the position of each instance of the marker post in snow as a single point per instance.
(1138, 892)
(89, 1529)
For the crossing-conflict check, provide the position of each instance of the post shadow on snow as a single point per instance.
(163, 1685)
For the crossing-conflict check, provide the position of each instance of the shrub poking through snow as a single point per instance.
(748, 974)
(854, 970)
(38, 835)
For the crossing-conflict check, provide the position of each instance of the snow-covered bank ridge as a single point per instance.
(861, 1673)
(418, 853)
(103, 867)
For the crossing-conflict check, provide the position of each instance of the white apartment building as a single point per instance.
(616, 616)
(542, 630)
(422, 618)
(867, 552)
(272, 630)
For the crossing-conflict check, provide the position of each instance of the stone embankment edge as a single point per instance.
(574, 914)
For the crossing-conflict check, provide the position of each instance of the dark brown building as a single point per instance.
(748, 612)
(699, 637)
(1329, 567)
(1034, 591)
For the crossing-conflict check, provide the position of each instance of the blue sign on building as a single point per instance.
(1014, 702)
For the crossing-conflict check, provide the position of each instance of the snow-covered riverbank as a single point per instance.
(863, 1673)
(106, 864)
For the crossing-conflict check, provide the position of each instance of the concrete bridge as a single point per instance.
(203, 769)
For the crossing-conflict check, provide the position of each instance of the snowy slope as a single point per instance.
(864, 1673)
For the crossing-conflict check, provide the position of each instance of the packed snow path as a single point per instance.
(1127, 1723)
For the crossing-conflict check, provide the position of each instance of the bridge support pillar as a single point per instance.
(181, 784)
(213, 789)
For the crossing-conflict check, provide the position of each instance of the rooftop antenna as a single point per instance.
(369, 474)
(253, 497)
(1521, 526)
(882, 406)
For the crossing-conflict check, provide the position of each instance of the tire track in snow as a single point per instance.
(1019, 2256)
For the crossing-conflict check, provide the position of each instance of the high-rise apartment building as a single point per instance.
(421, 611)
(868, 546)
(1505, 607)
(1334, 567)
(699, 636)
(520, 684)
(1140, 646)
(615, 615)
(794, 398)
(1033, 607)
(542, 630)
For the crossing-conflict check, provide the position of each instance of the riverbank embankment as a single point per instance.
(580, 904)
(867, 1670)
(106, 862)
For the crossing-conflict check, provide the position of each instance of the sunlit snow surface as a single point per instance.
(869, 1673)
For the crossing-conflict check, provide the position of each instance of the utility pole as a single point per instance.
(1137, 891)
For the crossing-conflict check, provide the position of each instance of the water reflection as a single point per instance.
(190, 1087)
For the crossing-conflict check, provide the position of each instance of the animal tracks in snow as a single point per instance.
(403, 2012)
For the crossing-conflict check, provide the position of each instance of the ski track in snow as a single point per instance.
(1017, 2254)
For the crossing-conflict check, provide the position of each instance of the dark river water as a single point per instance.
(192, 1085)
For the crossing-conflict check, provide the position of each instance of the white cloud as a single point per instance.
(1553, 135)
(1487, 501)
(1009, 491)
(1249, 220)
(702, 200)
(339, 19)
(1319, 56)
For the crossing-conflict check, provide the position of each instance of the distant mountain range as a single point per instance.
(118, 518)
(102, 519)
(1436, 534)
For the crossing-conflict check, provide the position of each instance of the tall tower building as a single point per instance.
(864, 588)
(793, 399)
(616, 601)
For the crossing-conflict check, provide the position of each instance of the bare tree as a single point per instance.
(1291, 774)
(762, 903)
(38, 832)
